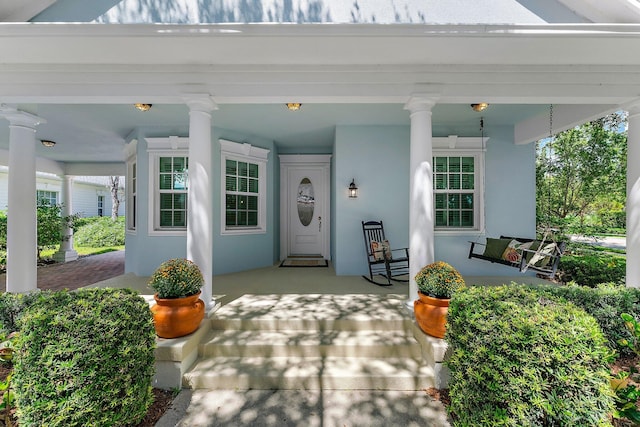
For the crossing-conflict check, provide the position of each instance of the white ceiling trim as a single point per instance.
(22, 10)
(618, 11)
(564, 117)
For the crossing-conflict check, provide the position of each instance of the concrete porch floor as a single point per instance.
(296, 280)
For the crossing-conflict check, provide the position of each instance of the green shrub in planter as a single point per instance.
(593, 269)
(439, 280)
(84, 358)
(521, 359)
(606, 303)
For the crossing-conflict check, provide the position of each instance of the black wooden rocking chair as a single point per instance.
(382, 260)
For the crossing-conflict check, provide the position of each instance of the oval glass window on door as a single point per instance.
(305, 201)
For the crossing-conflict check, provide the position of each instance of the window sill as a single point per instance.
(170, 232)
(242, 231)
(459, 232)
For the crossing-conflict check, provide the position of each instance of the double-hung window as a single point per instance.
(100, 205)
(49, 197)
(457, 190)
(173, 183)
(169, 181)
(244, 184)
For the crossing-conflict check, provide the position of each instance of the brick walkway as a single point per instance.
(76, 274)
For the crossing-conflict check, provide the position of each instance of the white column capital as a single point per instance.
(201, 102)
(20, 118)
(421, 102)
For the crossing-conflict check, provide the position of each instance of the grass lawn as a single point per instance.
(82, 251)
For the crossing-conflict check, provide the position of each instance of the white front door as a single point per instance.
(305, 203)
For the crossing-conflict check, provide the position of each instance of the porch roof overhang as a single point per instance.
(591, 69)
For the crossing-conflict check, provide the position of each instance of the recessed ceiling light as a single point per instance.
(143, 107)
(293, 106)
(479, 107)
(47, 142)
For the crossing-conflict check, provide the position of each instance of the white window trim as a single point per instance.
(454, 146)
(244, 153)
(131, 195)
(156, 148)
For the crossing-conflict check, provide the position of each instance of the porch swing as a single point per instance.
(540, 255)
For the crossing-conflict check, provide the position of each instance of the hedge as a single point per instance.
(84, 358)
(522, 359)
(605, 303)
(11, 308)
(593, 269)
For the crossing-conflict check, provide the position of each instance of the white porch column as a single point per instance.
(421, 223)
(633, 196)
(66, 252)
(21, 212)
(200, 192)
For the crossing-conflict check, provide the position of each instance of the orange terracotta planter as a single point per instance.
(177, 317)
(431, 314)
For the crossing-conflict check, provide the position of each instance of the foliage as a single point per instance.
(439, 280)
(521, 359)
(11, 308)
(579, 248)
(605, 303)
(7, 351)
(581, 171)
(3, 238)
(593, 269)
(51, 223)
(84, 358)
(628, 394)
(176, 278)
(100, 231)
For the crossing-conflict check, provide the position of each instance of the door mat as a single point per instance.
(304, 262)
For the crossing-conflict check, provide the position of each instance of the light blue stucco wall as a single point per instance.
(378, 158)
(231, 253)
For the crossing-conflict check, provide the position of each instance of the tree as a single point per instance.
(114, 186)
(582, 170)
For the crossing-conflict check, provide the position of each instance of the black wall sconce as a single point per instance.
(353, 190)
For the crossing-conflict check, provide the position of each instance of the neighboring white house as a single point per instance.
(214, 167)
(91, 194)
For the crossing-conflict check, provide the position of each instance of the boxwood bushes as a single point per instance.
(523, 359)
(84, 358)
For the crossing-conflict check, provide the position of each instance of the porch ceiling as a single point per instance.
(83, 78)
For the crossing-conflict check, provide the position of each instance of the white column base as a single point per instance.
(409, 304)
(65, 255)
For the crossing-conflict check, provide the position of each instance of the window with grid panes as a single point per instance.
(455, 192)
(241, 193)
(243, 179)
(173, 183)
(50, 197)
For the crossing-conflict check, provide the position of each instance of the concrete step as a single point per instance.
(266, 323)
(297, 343)
(314, 373)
